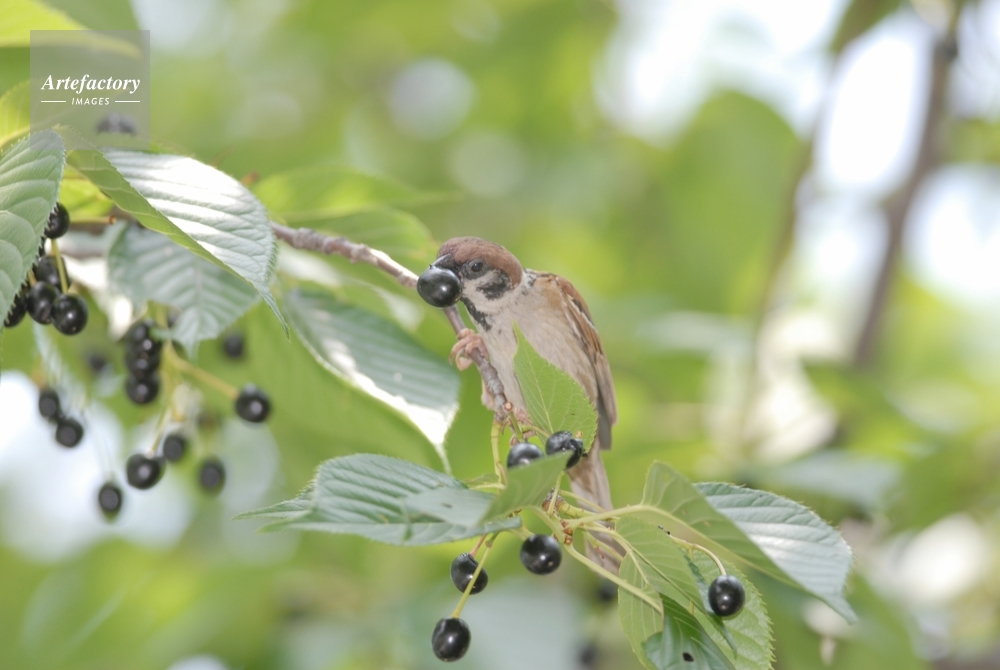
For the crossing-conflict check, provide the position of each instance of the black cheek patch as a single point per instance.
(495, 288)
(477, 316)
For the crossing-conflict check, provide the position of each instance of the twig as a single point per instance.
(897, 208)
(310, 240)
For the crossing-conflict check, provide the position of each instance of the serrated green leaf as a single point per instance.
(30, 172)
(663, 560)
(323, 191)
(365, 495)
(527, 485)
(771, 533)
(555, 401)
(15, 112)
(802, 545)
(640, 621)
(144, 265)
(745, 638)
(20, 17)
(195, 205)
(287, 509)
(683, 644)
(379, 358)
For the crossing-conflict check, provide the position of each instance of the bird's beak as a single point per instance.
(444, 262)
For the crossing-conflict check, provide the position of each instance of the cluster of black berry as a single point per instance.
(143, 471)
(540, 554)
(69, 432)
(44, 300)
(142, 360)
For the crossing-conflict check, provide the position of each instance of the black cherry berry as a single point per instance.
(462, 569)
(58, 223)
(541, 554)
(18, 309)
(522, 453)
(48, 404)
(439, 287)
(143, 472)
(563, 441)
(69, 314)
(174, 447)
(211, 475)
(69, 432)
(109, 499)
(253, 404)
(41, 297)
(450, 639)
(726, 595)
(232, 346)
(142, 391)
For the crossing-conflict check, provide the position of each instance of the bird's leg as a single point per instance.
(468, 341)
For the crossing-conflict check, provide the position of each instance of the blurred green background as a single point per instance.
(720, 180)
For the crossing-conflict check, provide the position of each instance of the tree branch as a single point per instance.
(897, 208)
(310, 240)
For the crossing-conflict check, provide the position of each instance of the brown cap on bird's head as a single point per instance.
(458, 251)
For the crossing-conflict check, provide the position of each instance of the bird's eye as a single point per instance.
(476, 267)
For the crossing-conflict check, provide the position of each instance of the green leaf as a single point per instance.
(366, 495)
(555, 401)
(379, 358)
(527, 485)
(20, 17)
(195, 205)
(771, 533)
(801, 544)
(659, 557)
(30, 172)
(745, 638)
(287, 509)
(323, 191)
(683, 644)
(15, 112)
(640, 621)
(144, 265)
(459, 506)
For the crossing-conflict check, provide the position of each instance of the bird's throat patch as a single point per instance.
(481, 319)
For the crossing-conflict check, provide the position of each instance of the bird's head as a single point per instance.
(488, 272)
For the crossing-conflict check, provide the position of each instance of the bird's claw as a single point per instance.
(468, 341)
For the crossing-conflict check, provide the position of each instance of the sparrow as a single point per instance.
(553, 317)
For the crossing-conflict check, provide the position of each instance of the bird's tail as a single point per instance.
(589, 480)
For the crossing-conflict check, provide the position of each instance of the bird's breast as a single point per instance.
(547, 328)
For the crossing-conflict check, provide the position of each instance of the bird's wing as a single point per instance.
(579, 316)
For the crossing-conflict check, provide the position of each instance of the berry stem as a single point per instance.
(199, 374)
(59, 266)
(604, 546)
(695, 546)
(521, 532)
(554, 496)
(472, 582)
(478, 545)
(578, 512)
(549, 521)
(610, 576)
(498, 465)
